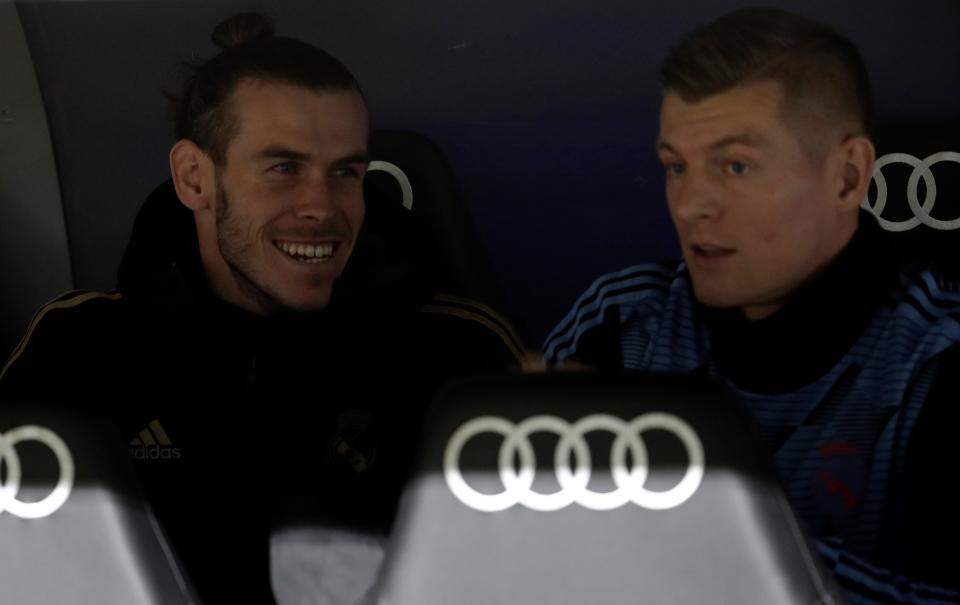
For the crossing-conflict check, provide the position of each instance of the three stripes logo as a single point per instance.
(152, 443)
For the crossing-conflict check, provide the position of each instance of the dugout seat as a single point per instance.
(75, 527)
(915, 192)
(527, 494)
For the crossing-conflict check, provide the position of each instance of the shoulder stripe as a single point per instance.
(64, 301)
(937, 296)
(946, 280)
(606, 291)
(923, 293)
(911, 301)
(878, 584)
(932, 315)
(473, 305)
(626, 277)
(471, 310)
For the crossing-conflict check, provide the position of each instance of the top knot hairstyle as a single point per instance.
(250, 50)
(820, 70)
(241, 29)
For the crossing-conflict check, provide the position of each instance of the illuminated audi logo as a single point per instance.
(921, 209)
(573, 483)
(10, 488)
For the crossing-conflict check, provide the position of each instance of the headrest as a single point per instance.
(410, 175)
(568, 489)
(915, 191)
(75, 528)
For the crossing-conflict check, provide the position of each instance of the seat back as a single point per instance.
(75, 527)
(32, 229)
(413, 198)
(915, 191)
(604, 490)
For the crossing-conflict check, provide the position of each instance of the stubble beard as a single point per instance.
(238, 254)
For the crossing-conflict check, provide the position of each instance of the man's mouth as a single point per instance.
(310, 254)
(711, 251)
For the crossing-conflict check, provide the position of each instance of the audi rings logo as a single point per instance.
(10, 488)
(573, 484)
(921, 209)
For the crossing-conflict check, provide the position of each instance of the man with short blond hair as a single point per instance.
(788, 294)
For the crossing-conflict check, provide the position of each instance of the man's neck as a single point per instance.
(807, 335)
(846, 232)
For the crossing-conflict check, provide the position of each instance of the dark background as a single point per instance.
(547, 111)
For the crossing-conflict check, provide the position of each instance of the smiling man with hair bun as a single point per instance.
(287, 372)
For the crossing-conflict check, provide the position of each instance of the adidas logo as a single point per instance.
(152, 443)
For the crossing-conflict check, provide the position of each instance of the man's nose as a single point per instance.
(695, 200)
(316, 201)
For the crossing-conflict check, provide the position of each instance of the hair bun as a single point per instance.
(240, 29)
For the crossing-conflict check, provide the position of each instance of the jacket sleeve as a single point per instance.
(19, 373)
(54, 353)
(472, 335)
(591, 331)
(868, 584)
(931, 531)
(923, 549)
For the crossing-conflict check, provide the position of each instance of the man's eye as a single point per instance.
(674, 169)
(348, 172)
(737, 168)
(285, 168)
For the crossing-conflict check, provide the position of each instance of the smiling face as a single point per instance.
(288, 202)
(756, 213)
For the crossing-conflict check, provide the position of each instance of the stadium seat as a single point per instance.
(415, 213)
(569, 489)
(75, 526)
(915, 193)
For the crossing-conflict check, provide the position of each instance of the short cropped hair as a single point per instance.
(250, 50)
(819, 69)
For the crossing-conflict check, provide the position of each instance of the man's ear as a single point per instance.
(193, 172)
(855, 159)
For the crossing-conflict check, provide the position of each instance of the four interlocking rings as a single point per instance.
(9, 489)
(921, 210)
(573, 484)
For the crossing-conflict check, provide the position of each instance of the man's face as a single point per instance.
(753, 210)
(289, 200)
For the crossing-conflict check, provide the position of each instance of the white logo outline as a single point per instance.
(10, 488)
(573, 485)
(406, 189)
(921, 210)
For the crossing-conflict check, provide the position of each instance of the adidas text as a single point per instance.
(155, 452)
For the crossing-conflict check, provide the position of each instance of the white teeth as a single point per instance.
(306, 252)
